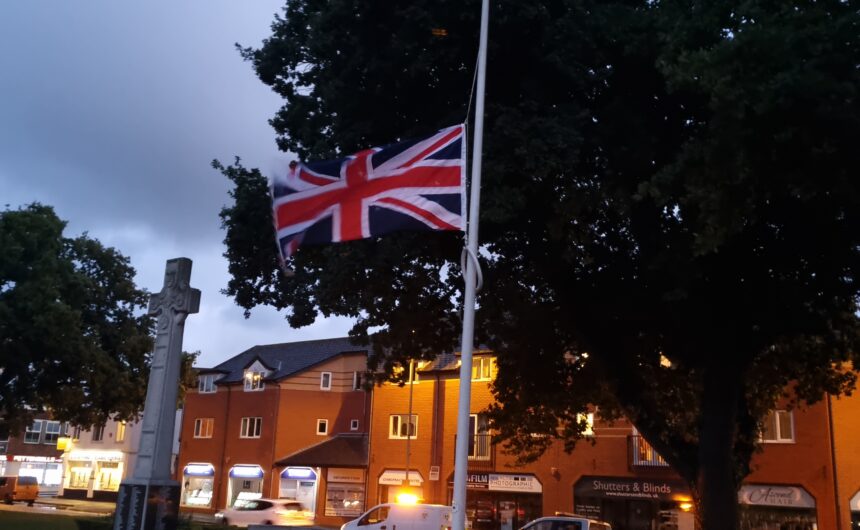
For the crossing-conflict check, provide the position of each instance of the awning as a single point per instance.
(246, 471)
(395, 477)
(343, 450)
(199, 470)
(301, 473)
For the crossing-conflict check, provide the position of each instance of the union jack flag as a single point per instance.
(411, 185)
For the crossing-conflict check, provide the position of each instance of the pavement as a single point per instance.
(89, 507)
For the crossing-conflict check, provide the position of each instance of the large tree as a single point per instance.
(74, 335)
(670, 213)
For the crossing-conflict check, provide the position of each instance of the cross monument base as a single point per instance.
(147, 505)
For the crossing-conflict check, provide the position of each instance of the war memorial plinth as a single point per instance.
(149, 500)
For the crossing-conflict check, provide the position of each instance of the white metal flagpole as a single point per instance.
(471, 276)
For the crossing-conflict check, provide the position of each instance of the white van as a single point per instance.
(403, 517)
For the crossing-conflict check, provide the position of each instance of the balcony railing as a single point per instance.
(481, 452)
(643, 455)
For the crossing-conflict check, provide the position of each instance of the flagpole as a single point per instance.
(470, 272)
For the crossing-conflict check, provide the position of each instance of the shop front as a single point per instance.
(392, 484)
(198, 484)
(48, 470)
(245, 483)
(93, 474)
(500, 501)
(344, 492)
(855, 511)
(299, 483)
(634, 503)
(770, 506)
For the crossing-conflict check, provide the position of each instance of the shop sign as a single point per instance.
(474, 481)
(522, 483)
(96, 456)
(629, 488)
(41, 459)
(396, 477)
(345, 475)
(785, 496)
(246, 471)
(855, 502)
(199, 470)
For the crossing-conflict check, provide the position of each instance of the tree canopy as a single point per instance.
(670, 209)
(74, 334)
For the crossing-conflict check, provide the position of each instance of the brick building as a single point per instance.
(34, 453)
(266, 404)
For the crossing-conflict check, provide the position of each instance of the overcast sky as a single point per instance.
(112, 112)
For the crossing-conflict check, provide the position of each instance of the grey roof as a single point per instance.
(342, 450)
(448, 360)
(287, 358)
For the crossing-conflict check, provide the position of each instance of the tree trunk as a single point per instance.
(715, 492)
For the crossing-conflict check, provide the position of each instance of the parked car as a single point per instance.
(403, 517)
(284, 512)
(566, 522)
(21, 489)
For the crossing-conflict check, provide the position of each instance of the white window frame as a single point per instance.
(51, 437)
(323, 385)
(98, 433)
(254, 380)
(204, 427)
(322, 422)
(33, 428)
(252, 427)
(480, 366)
(206, 384)
(396, 423)
(76, 432)
(353, 425)
(781, 437)
(120, 431)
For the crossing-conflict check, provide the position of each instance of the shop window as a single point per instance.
(322, 427)
(203, 427)
(206, 383)
(197, 491)
(80, 475)
(482, 368)
(344, 500)
(120, 431)
(325, 381)
(52, 431)
(254, 380)
(353, 425)
(33, 433)
(251, 427)
(778, 427)
(98, 432)
(402, 427)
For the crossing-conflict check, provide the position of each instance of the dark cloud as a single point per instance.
(112, 112)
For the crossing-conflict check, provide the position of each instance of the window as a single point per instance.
(353, 425)
(322, 427)
(588, 421)
(778, 427)
(76, 432)
(4, 445)
(98, 432)
(203, 427)
(356, 380)
(52, 431)
(254, 380)
(120, 431)
(325, 381)
(402, 427)
(482, 368)
(251, 427)
(479, 444)
(33, 433)
(206, 384)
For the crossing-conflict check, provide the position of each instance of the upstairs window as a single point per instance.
(356, 380)
(203, 427)
(206, 383)
(322, 427)
(98, 432)
(33, 434)
(325, 381)
(120, 431)
(252, 427)
(254, 380)
(403, 426)
(482, 368)
(778, 427)
(52, 431)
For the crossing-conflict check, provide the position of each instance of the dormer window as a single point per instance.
(206, 383)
